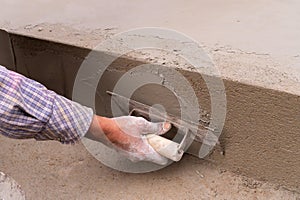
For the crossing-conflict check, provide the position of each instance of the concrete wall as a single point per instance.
(261, 134)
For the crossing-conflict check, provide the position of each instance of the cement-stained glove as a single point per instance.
(126, 135)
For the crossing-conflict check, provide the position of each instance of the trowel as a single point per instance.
(183, 137)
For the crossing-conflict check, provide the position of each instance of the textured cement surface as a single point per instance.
(255, 26)
(259, 136)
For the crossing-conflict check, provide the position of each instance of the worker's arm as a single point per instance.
(29, 110)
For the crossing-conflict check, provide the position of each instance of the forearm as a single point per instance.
(30, 110)
(95, 131)
(103, 129)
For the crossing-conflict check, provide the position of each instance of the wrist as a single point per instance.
(97, 128)
(102, 124)
(107, 131)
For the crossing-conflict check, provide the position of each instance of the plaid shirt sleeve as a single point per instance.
(29, 110)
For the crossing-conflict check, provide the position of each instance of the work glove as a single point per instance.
(127, 134)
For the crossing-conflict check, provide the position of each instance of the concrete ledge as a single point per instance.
(261, 134)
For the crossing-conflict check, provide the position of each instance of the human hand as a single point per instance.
(127, 135)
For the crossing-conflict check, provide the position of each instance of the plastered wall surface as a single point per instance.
(260, 137)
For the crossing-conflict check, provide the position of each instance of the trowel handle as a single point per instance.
(165, 147)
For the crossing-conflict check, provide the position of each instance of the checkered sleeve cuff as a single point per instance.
(69, 121)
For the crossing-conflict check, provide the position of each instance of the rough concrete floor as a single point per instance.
(70, 172)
